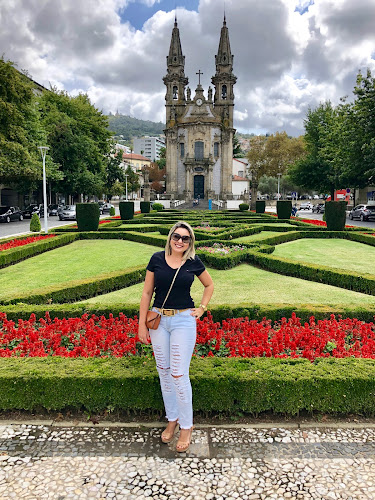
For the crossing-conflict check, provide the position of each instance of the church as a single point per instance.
(199, 129)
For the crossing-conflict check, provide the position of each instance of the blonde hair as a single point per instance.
(190, 252)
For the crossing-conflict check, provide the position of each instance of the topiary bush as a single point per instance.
(158, 207)
(87, 216)
(284, 209)
(335, 214)
(145, 207)
(126, 210)
(260, 206)
(35, 225)
(243, 207)
(112, 211)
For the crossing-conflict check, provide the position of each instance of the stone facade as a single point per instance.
(199, 130)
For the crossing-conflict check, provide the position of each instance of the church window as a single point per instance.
(240, 173)
(199, 149)
(216, 149)
(175, 92)
(182, 149)
(224, 92)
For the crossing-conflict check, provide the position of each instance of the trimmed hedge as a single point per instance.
(335, 214)
(145, 207)
(222, 385)
(158, 207)
(260, 206)
(35, 225)
(14, 255)
(83, 289)
(88, 215)
(284, 209)
(126, 210)
(244, 207)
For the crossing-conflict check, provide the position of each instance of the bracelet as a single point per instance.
(203, 307)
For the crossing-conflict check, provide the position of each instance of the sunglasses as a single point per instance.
(178, 237)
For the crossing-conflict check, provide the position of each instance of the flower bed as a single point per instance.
(25, 241)
(219, 248)
(93, 336)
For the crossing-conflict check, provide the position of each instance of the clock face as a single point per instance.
(199, 102)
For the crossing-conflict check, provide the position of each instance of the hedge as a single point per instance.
(255, 385)
(126, 210)
(145, 207)
(14, 255)
(88, 215)
(335, 215)
(82, 289)
(260, 206)
(284, 209)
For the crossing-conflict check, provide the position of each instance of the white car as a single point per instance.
(306, 206)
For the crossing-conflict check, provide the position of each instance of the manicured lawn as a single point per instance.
(256, 237)
(136, 226)
(342, 254)
(245, 284)
(81, 259)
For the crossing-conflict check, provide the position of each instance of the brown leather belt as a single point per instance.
(170, 312)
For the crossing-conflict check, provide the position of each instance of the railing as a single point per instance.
(177, 203)
(219, 203)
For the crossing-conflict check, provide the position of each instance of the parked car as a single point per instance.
(68, 213)
(10, 213)
(107, 207)
(54, 209)
(306, 206)
(30, 210)
(318, 208)
(362, 212)
(41, 211)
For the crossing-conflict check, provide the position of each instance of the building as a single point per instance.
(137, 162)
(240, 181)
(199, 130)
(149, 147)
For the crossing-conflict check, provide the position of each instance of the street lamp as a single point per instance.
(278, 185)
(126, 186)
(43, 151)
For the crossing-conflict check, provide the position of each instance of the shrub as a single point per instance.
(335, 212)
(35, 225)
(112, 212)
(87, 216)
(284, 209)
(244, 207)
(158, 207)
(145, 207)
(126, 210)
(260, 206)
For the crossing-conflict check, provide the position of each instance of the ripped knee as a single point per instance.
(177, 376)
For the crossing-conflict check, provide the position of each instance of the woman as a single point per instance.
(174, 340)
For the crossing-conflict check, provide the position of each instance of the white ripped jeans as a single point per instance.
(173, 344)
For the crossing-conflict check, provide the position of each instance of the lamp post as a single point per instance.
(126, 186)
(43, 151)
(278, 186)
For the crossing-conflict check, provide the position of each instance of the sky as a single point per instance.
(289, 55)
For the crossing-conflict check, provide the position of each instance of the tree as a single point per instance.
(162, 161)
(132, 179)
(319, 170)
(114, 174)
(79, 140)
(257, 164)
(237, 151)
(267, 184)
(282, 151)
(21, 132)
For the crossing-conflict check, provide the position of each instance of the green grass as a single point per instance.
(256, 237)
(248, 284)
(341, 254)
(136, 226)
(81, 259)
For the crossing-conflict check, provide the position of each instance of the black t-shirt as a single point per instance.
(179, 298)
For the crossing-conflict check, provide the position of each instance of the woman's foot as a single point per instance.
(168, 433)
(184, 440)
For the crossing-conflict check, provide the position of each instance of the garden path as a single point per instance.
(264, 461)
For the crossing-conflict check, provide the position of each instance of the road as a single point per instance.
(307, 214)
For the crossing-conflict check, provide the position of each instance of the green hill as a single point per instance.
(130, 127)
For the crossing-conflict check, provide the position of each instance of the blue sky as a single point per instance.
(289, 55)
(137, 13)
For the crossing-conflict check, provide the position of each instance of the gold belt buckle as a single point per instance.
(168, 312)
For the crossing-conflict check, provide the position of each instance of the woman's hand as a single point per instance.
(143, 334)
(197, 312)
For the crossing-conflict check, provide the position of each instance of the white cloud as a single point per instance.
(289, 54)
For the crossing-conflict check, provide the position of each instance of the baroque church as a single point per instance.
(199, 129)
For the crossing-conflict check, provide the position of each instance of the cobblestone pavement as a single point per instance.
(62, 461)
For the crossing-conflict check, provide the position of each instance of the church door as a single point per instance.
(199, 186)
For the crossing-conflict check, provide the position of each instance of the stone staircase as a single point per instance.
(203, 205)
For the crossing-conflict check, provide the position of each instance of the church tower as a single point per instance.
(199, 130)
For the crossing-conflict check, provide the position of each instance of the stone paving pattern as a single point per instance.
(40, 461)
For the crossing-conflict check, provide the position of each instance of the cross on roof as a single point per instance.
(199, 76)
